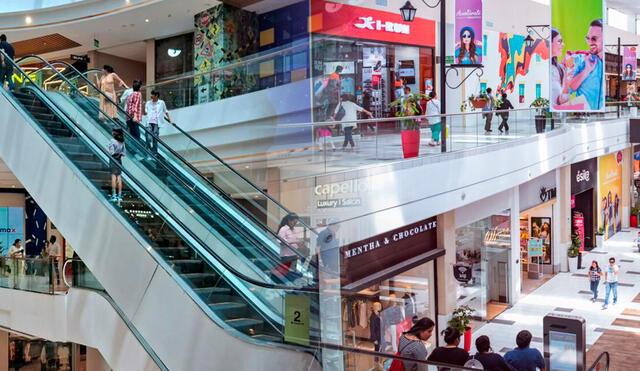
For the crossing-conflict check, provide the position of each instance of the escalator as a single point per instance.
(221, 257)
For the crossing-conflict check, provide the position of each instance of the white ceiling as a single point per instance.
(626, 6)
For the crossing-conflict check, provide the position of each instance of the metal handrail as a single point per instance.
(183, 160)
(594, 366)
(213, 253)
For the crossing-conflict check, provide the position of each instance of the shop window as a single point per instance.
(174, 56)
(483, 251)
(521, 93)
(538, 91)
(483, 87)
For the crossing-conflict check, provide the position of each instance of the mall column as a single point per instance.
(4, 351)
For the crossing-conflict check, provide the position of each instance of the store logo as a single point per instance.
(7, 230)
(547, 194)
(368, 23)
(582, 176)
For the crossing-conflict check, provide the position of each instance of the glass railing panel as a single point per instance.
(28, 274)
(194, 194)
(200, 267)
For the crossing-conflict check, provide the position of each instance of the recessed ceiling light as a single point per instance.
(147, 20)
(28, 20)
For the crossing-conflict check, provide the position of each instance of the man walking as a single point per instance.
(6, 68)
(156, 112)
(487, 112)
(611, 282)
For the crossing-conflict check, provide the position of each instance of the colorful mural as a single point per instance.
(515, 58)
(217, 41)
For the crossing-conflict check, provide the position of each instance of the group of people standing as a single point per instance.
(501, 105)
(610, 277)
(19, 266)
(152, 114)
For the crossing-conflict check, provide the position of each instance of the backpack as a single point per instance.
(474, 363)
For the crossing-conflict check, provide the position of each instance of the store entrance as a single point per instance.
(536, 247)
(583, 206)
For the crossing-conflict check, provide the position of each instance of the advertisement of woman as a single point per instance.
(629, 64)
(577, 71)
(609, 194)
(469, 32)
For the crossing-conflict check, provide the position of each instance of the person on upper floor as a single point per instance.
(451, 353)
(6, 69)
(524, 358)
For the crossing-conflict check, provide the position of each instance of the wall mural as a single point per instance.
(218, 41)
(515, 58)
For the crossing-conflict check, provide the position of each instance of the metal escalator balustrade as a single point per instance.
(237, 302)
(226, 183)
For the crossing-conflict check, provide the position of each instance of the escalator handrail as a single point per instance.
(595, 363)
(213, 253)
(200, 145)
(265, 228)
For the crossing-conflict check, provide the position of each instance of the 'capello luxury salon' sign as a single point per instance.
(381, 252)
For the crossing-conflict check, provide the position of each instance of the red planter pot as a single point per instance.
(479, 103)
(467, 339)
(634, 221)
(410, 143)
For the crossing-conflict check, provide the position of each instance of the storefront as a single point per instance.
(483, 250)
(609, 209)
(376, 51)
(537, 238)
(387, 281)
(584, 177)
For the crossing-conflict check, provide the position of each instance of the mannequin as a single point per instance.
(391, 316)
(375, 325)
(410, 308)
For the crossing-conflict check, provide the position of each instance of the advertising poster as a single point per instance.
(468, 32)
(576, 74)
(629, 64)
(11, 227)
(578, 228)
(541, 230)
(609, 194)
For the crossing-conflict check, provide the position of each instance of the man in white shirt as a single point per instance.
(350, 117)
(156, 112)
(611, 282)
(55, 253)
(16, 253)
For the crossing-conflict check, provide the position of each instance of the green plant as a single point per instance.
(461, 317)
(472, 98)
(407, 106)
(574, 249)
(635, 211)
(541, 105)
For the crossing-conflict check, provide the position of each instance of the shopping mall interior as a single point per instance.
(319, 185)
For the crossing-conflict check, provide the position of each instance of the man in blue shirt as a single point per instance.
(524, 358)
(587, 79)
(6, 69)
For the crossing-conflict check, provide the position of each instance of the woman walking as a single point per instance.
(288, 247)
(594, 279)
(412, 345)
(505, 105)
(433, 109)
(108, 86)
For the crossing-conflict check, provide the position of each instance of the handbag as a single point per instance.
(340, 114)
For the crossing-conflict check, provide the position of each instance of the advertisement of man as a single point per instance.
(577, 56)
(610, 194)
(469, 32)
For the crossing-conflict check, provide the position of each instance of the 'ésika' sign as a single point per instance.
(372, 255)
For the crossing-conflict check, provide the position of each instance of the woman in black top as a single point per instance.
(489, 360)
(450, 353)
(505, 105)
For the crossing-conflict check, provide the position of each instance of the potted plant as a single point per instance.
(573, 252)
(600, 237)
(542, 113)
(634, 217)
(407, 106)
(478, 101)
(460, 319)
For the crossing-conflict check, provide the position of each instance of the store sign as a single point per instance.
(334, 203)
(378, 253)
(337, 19)
(539, 190)
(296, 319)
(583, 175)
(378, 25)
(11, 227)
(578, 228)
(462, 273)
(534, 247)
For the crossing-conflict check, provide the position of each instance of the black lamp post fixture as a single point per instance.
(408, 12)
(528, 41)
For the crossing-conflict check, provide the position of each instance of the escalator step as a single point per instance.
(271, 338)
(227, 306)
(244, 323)
(207, 291)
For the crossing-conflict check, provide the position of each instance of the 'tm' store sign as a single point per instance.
(331, 18)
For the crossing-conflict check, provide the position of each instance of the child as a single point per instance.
(116, 150)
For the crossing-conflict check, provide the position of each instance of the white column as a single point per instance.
(151, 61)
(95, 362)
(562, 218)
(515, 265)
(627, 186)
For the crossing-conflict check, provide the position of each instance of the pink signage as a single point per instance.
(629, 63)
(468, 32)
